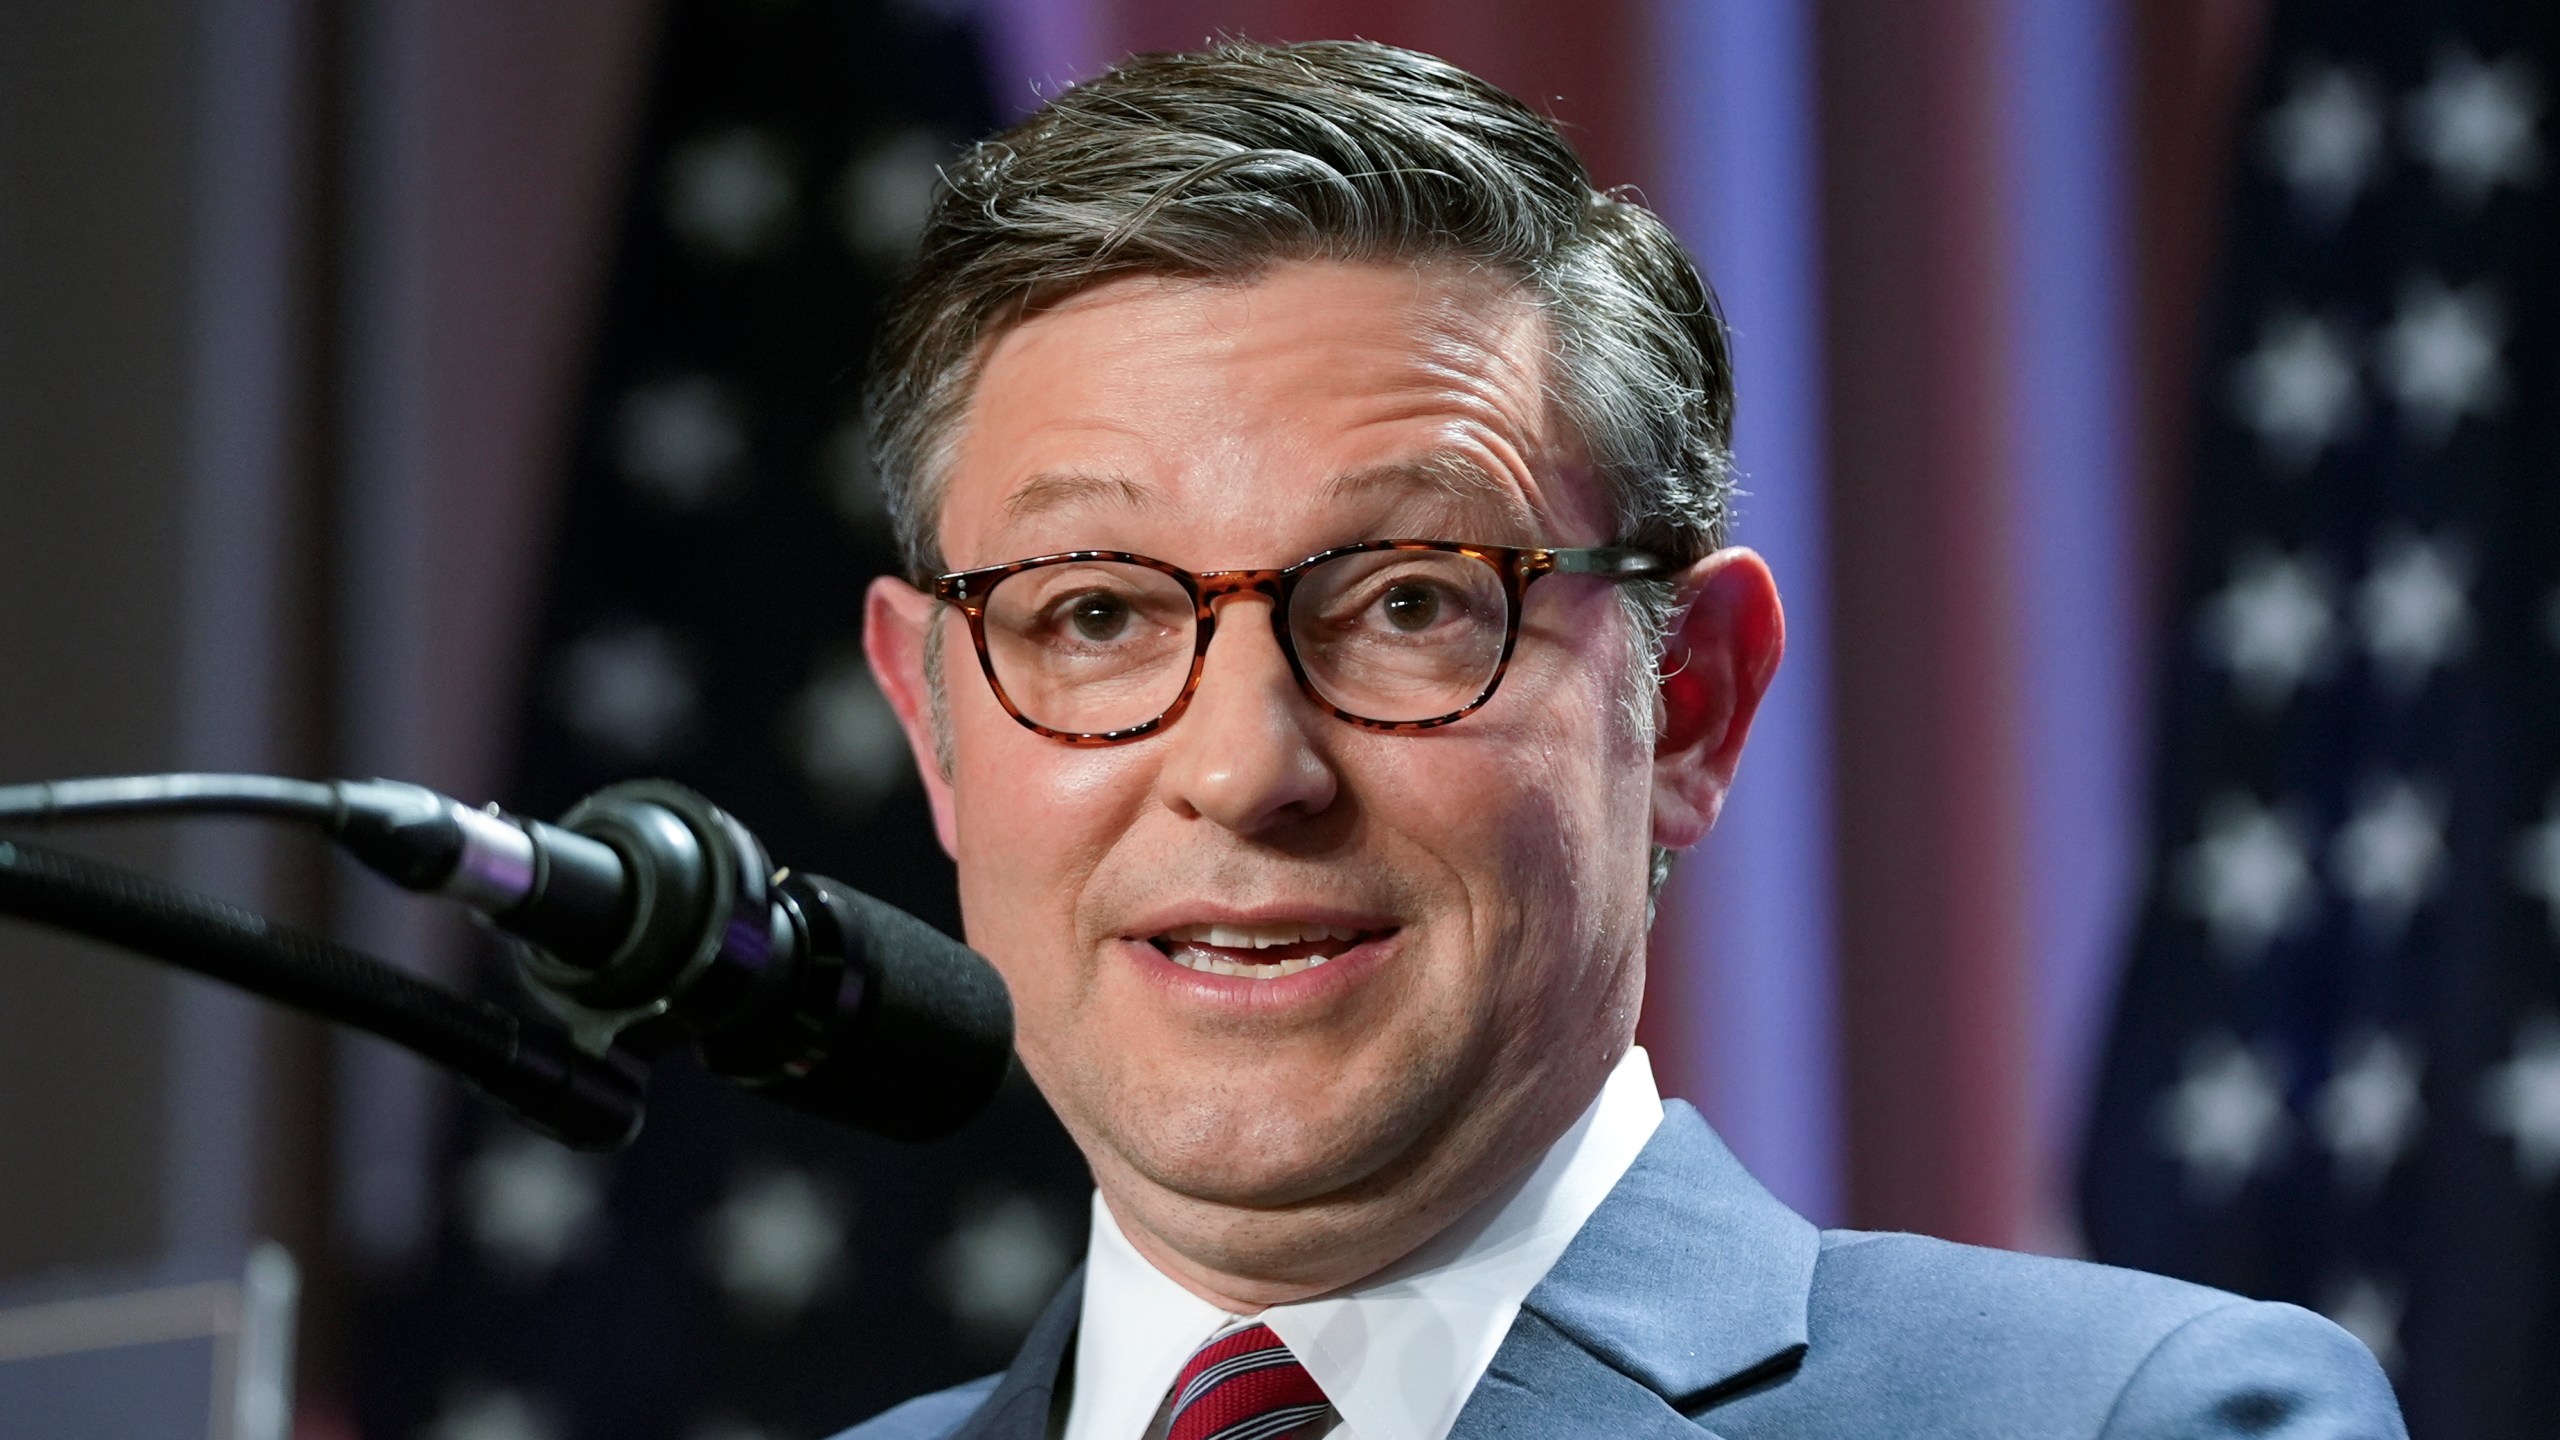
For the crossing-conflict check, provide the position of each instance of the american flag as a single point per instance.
(743, 1272)
(2335, 1071)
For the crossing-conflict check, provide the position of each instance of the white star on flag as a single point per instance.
(531, 1204)
(2521, 1099)
(2325, 139)
(887, 192)
(775, 1243)
(2369, 1310)
(680, 440)
(2390, 854)
(730, 193)
(2475, 124)
(2441, 356)
(2247, 876)
(629, 690)
(2225, 1118)
(2297, 389)
(2413, 607)
(2271, 627)
(850, 479)
(2538, 860)
(487, 1414)
(2368, 1112)
(999, 1265)
(846, 737)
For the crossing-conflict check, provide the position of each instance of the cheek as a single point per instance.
(1034, 819)
(1542, 812)
(1495, 809)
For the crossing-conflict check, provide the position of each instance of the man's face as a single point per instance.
(1477, 891)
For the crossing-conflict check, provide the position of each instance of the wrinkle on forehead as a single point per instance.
(1460, 363)
(1441, 495)
(1449, 479)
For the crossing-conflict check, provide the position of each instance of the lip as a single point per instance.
(1175, 917)
(1247, 996)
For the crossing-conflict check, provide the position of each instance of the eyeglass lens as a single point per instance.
(1089, 647)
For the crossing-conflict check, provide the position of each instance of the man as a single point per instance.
(1322, 639)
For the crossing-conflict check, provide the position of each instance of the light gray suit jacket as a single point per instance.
(1693, 1304)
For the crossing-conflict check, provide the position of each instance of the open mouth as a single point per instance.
(1268, 951)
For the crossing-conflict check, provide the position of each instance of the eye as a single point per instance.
(1411, 607)
(1098, 615)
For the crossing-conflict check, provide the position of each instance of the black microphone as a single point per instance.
(651, 916)
(805, 988)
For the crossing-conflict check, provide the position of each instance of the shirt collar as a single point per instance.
(1399, 1352)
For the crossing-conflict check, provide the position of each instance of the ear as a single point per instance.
(897, 625)
(1717, 662)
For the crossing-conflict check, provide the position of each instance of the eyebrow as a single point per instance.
(1445, 476)
(1055, 490)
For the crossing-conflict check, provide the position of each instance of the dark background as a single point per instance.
(458, 391)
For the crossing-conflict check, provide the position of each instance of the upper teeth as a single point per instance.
(1258, 937)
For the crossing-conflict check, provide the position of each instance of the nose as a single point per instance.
(1243, 756)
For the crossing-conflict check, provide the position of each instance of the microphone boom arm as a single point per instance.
(527, 1066)
(647, 914)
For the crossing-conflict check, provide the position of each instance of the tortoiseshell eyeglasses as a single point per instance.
(1096, 647)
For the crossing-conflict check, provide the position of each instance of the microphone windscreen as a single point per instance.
(929, 1042)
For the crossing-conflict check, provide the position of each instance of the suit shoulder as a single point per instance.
(1922, 1279)
(2254, 1368)
(926, 1417)
(2053, 1325)
(1957, 1340)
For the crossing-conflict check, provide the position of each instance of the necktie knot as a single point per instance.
(1244, 1385)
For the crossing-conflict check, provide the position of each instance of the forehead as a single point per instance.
(1294, 409)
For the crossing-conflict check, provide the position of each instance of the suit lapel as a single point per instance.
(1019, 1407)
(1689, 1281)
(1542, 1383)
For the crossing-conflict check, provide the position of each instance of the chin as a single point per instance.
(1240, 1149)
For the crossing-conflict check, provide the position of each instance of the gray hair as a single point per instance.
(1220, 163)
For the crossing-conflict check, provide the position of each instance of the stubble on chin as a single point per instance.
(1255, 1146)
(1280, 1207)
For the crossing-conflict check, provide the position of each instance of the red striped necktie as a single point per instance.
(1244, 1385)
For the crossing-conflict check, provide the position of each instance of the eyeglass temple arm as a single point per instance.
(1615, 562)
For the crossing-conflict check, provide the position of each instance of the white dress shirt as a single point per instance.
(1397, 1353)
